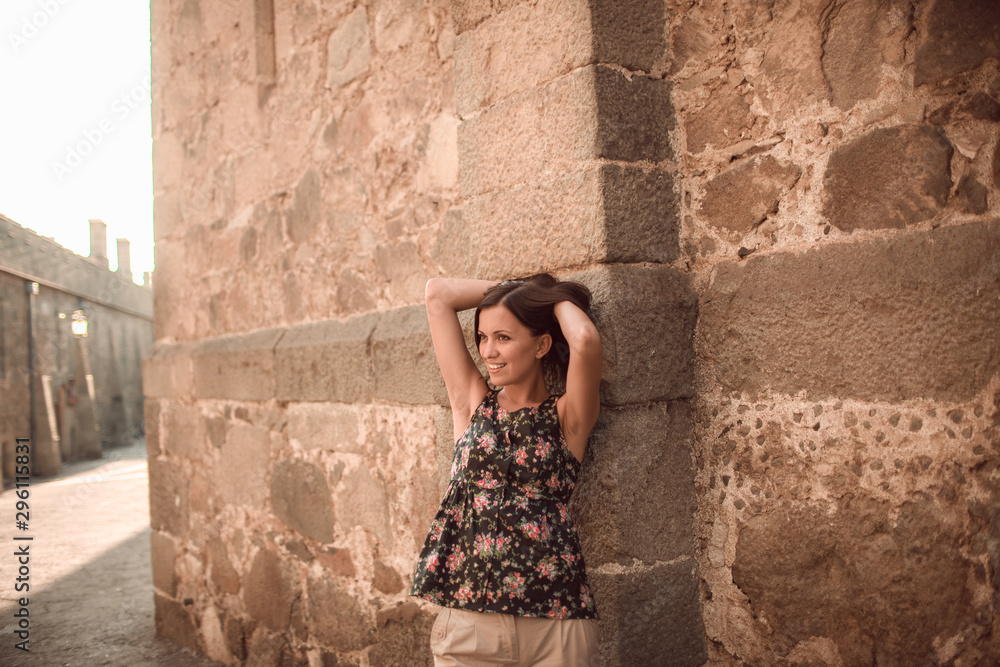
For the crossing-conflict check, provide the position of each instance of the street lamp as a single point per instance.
(79, 324)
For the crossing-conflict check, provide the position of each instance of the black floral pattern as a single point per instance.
(503, 540)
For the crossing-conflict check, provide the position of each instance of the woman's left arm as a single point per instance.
(580, 405)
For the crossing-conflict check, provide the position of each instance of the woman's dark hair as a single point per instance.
(532, 301)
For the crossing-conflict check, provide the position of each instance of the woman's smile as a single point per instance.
(507, 346)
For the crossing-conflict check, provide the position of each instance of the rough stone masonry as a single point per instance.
(788, 213)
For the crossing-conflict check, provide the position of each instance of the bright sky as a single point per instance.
(75, 122)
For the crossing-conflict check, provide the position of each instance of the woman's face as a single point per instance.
(511, 353)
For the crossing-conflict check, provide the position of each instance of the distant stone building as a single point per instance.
(787, 212)
(72, 338)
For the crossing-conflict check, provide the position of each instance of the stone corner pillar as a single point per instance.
(563, 141)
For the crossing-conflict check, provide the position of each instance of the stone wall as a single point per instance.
(786, 212)
(314, 164)
(305, 159)
(840, 200)
(120, 331)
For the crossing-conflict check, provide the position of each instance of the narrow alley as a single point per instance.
(91, 592)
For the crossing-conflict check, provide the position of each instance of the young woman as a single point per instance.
(502, 557)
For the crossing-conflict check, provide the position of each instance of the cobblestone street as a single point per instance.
(91, 592)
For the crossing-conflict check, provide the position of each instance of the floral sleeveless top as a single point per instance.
(503, 540)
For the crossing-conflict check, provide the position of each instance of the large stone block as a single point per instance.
(912, 316)
(852, 58)
(629, 34)
(606, 214)
(972, 195)
(269, 590)
(240, 476)
(511, 231)
(891, 177)
(225, 578)
(403, 361)
(692, 41)
(163, 552)
(591, 113)
(646, 317)
(785, 43)
(882, 583)
(168, 498)
(185, 431)
(348, 50)
(634, 116)
(529, 138)
(172, 321)
(212, 634)
(641, 215)
(400, 265)
(650, 615)
(956, 36)
(332, 426)
(337, 619)
(452, 247)
(151, 410)
(636, 497)
(236, 635)
(238, 367)
(300, 496)
(167, 371)
(720, 123)
(306, 207)
(970, 106)
(386, 580)
(337, 561)
(361, 501)
(531, 43)
(738, 200)
(520, 49)
(174, 622)
(326, 361)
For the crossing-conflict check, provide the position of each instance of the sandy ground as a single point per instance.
(91, 592)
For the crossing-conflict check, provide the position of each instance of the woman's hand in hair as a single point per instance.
(579, 407)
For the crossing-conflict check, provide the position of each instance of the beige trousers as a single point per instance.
(463, 638)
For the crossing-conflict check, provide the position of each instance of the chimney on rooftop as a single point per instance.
(99, 243)
(124, 258)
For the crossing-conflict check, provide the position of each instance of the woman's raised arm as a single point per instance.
(580, 405)
(445, 298)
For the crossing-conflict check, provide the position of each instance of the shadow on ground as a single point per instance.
(101, 612)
